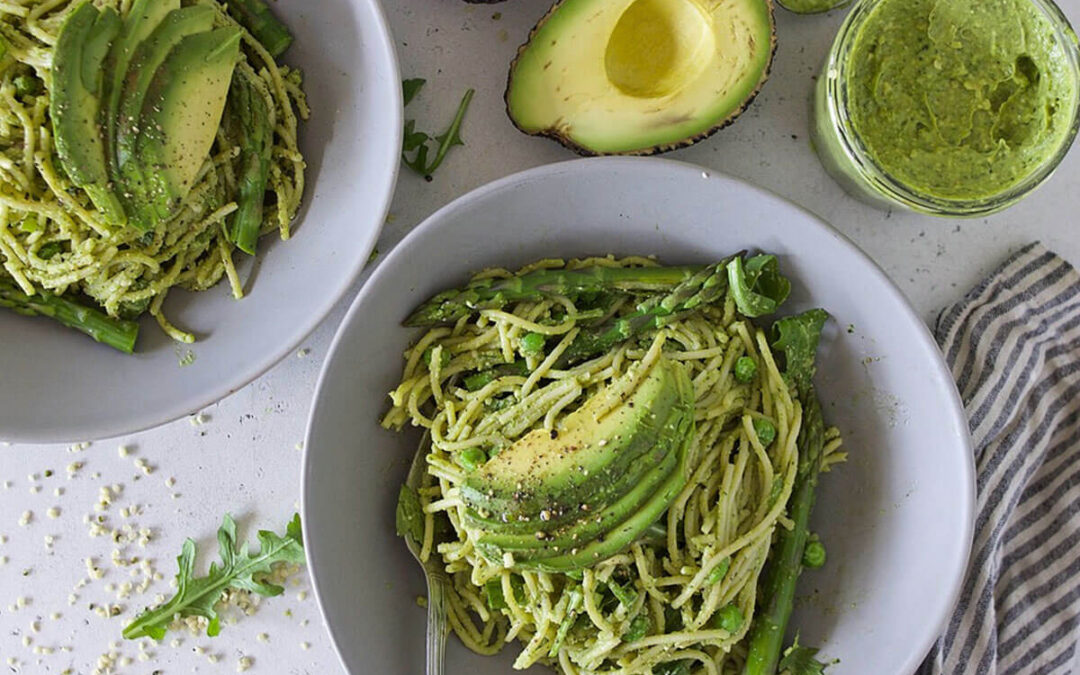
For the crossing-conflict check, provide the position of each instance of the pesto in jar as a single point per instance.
(958, 99)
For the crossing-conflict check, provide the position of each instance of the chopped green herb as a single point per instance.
(638, 628)
(799, 660)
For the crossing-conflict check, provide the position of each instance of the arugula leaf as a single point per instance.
(240, 570)
(638, 628)
(409, 515)
(411, 87)
(418, 142)
(757, 285)
(799, 660)
(673, 667)
(798, 337)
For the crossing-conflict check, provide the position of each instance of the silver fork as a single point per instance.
(437, 580)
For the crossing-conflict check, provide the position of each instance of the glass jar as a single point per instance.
(848, 160)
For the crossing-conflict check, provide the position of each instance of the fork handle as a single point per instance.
(437, 623)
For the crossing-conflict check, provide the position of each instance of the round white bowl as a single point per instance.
(897, 518)
(58, 385)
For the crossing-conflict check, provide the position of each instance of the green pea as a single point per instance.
(729, 618)
(745, 369)
(813, 555)
(532, 343)
(478, 381)
(765, 431)
(471, 458)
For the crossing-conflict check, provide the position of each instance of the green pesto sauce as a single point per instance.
(812, 6)
(960, 100)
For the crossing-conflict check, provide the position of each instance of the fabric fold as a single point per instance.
(1013, 344)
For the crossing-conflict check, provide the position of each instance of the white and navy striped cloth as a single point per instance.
(1014, 348)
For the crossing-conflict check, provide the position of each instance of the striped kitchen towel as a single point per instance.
(1014, 348)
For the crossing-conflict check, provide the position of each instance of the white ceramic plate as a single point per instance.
(57, 385)
(896, 518)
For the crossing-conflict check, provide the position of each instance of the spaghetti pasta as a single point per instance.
(662, 600)
(51, 237)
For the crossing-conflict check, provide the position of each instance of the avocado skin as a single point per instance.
(75, 104)
(617, 506)
(591, 463)
(132, 179)
(196, 73)
(570, 144)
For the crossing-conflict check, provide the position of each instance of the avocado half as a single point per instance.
(639, 77)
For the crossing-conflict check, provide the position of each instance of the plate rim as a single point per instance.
(613, 164)
(139, 422)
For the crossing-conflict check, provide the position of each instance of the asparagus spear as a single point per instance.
(451, 305)
(798, 339)
(256, 17)
(250, 119)
(705, 287)
(116, 333)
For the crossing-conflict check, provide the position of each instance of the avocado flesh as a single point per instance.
(181, 115)
(589, 528)
(75, 104)
(141, 21)
(639, 76)
(586, 526)
(591, 462)
(565, 513)
(131, 177)
(615, 541)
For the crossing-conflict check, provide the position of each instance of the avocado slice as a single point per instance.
(184, 105)
(617, 539)
(639, 77)
(586, 526)
(151, 53)
(593, 459)
(593, 488)
(141, 21)
(75, 104)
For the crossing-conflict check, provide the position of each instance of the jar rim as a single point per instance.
(836, 99)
